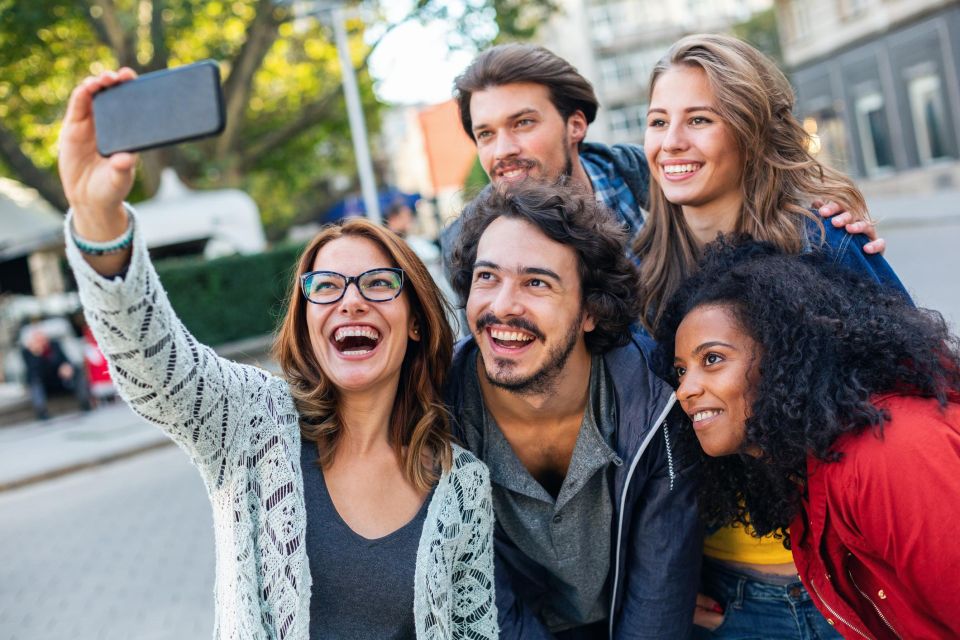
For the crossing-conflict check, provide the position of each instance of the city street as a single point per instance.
(925, 256)
(118, 552)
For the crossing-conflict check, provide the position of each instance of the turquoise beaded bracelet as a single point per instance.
(116, 245)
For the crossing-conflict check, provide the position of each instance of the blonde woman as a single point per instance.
(341, 508)
(727, 155)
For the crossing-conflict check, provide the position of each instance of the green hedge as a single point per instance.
(233, 297)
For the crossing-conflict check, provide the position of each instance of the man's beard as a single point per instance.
(529, 164)
(564, 177)
(542, 381)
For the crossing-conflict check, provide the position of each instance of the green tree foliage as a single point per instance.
(285, 113)
(760, 30)
(287, 130)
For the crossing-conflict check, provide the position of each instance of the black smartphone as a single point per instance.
(159, 109)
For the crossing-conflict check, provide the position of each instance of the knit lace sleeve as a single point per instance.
(199, 399)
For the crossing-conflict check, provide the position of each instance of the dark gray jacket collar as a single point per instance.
(641, 395)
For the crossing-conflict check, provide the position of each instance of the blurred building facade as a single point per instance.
(616, 43)
(877, 83)
(427, 152)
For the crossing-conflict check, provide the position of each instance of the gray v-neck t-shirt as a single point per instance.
(565, 541)
(362, 588)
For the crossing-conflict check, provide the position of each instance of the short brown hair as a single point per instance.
(571, 216)
(419, 422)
(511, 63)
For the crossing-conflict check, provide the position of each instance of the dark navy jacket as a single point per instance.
(655, 536)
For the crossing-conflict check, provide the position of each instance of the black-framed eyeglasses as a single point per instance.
(375, 285)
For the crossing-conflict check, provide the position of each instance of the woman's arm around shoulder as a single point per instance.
(847, 250)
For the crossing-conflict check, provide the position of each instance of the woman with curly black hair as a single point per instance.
(829, 409)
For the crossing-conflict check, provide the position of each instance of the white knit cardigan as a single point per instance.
(240, 428)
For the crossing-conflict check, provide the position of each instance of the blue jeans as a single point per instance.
(755, 610)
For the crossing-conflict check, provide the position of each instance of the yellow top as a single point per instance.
(736, 544)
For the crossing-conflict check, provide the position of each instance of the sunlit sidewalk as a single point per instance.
(36, 451)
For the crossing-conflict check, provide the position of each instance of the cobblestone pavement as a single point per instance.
(121, 551)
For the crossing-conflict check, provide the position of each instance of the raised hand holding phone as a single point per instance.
(160, 108)
(95, 186)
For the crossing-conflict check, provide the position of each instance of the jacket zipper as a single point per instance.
(835, 614)
(623, 499)
(874, 605)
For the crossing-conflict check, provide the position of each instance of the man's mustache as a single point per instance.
(514, 163)
(488, 319)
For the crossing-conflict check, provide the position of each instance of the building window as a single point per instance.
(853, 8)
(614, 72)
(609, 20)
(929, 119)
(627, 71)
(801, 19)
(628, 123)
(828, 138)
(874, 136)
(601, 23)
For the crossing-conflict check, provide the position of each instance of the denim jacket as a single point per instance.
(847, 251)
(655, 534)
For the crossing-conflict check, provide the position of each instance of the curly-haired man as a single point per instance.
(597, 529)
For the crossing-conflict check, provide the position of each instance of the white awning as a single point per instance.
(27, 221)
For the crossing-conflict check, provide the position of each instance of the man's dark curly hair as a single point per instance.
(568, 215)
(829, 340)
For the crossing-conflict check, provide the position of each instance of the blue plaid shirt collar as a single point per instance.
(612, 191)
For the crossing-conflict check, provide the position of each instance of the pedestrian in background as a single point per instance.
(49, 371)
(341, 508)
(829, 411)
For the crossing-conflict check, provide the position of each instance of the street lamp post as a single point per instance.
(358, 127)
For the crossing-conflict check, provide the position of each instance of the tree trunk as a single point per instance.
(114, 34)
(261, 34)
(45, 182)
(152, 164)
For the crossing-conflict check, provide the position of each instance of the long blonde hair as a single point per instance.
(779, 179)
(419, 423)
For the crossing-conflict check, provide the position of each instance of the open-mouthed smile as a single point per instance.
(355, 340)
(680, 171)
(704, 416)
(509, 340)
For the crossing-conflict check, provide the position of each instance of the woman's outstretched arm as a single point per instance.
(160, 369)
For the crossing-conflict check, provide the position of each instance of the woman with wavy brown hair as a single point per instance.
(341, 507)
(727, 156)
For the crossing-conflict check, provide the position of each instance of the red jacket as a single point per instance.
(877, 543)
